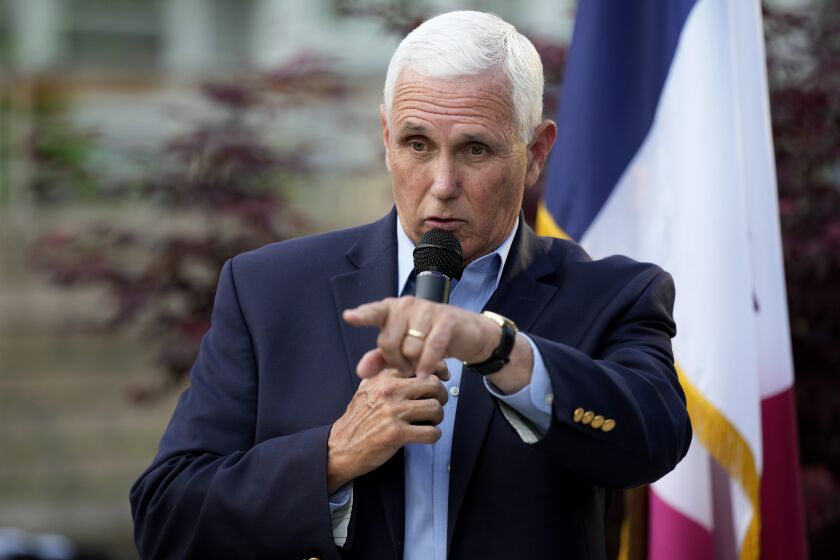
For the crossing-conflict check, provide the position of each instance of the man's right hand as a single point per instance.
(387, 412)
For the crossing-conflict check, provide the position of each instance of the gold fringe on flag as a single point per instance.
(546, 224)
(723, 442)
(633, 538)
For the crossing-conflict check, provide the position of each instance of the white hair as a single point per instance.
(466, 43)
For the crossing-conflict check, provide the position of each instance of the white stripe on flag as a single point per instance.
(688, 202)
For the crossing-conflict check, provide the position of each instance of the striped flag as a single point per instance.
(665, 154)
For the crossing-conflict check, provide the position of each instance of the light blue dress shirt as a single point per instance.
(427, 466)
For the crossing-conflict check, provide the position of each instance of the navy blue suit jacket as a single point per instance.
(241, 471)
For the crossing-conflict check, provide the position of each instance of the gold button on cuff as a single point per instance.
(587, 417)
(609, 424)
(578, 414)
(597, 422)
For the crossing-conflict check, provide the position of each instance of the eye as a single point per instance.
(417, 145)
(478, 150)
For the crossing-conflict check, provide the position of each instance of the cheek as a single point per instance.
(505, 190)
(502, 201)
(406, 184)
(409, 176)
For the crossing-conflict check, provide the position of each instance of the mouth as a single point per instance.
(439, 222)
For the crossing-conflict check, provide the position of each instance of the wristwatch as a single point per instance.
(501, 355)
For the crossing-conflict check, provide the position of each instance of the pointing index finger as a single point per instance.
(373, 314)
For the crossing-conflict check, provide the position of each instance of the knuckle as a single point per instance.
(437, 343)
(382, 339)
(435, 384)
(388, 410)
(392, 433)
(409, 348)
(389, 382)
(390, 339)
(361, 397)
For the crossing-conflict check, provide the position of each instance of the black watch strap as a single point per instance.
(501, 355)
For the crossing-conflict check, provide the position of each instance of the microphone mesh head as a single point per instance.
(440, 251)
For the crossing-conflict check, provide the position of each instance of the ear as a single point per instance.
(385, 135)
(544, 136)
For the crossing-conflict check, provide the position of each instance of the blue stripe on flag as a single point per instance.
(619, 58)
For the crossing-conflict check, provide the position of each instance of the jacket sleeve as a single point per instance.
(212, 491)
(630, 382)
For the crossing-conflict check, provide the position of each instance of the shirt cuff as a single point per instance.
(341, 508)
(534, 400)
(340, 498)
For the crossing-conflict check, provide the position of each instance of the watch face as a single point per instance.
(496, 317)
(500, 320)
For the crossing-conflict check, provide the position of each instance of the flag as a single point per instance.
(664, 154)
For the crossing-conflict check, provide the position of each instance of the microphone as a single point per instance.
(437, 259)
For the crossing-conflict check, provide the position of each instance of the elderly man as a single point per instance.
(306, 433)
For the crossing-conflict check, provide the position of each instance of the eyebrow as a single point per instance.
(476, 138)
(412, 128)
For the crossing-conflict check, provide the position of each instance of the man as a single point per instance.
(279, 450)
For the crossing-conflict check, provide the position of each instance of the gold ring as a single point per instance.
(416, 334)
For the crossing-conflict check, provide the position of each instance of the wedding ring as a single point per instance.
(416, 334)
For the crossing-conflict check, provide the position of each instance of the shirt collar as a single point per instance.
(405, 256)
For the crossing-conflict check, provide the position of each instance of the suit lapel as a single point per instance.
(521, 298)
(375, 257)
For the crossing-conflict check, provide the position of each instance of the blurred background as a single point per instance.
(144, 142)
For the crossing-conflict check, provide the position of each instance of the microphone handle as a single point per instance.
(433, 286)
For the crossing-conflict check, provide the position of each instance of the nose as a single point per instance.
(445, 185)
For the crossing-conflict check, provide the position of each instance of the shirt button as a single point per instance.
(454, 391)
(549, 398)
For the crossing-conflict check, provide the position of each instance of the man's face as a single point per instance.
(456, 159)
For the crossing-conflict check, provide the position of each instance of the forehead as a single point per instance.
(482, 100)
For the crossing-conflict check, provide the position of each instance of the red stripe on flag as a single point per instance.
(673, 535)
(782, 512)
